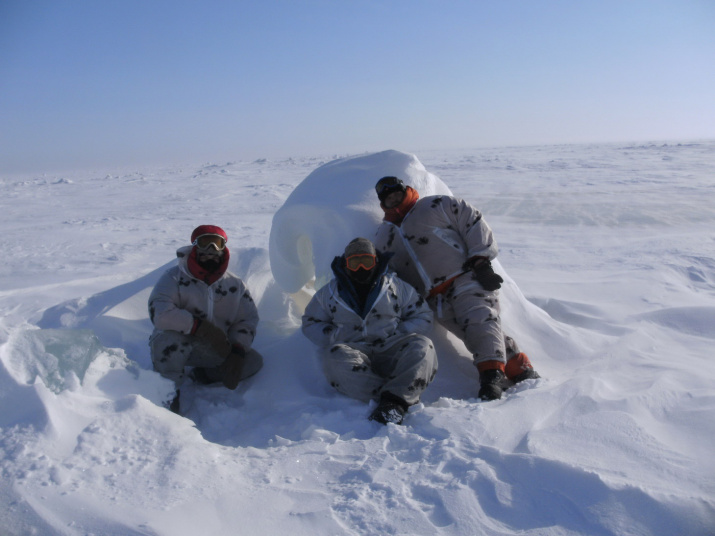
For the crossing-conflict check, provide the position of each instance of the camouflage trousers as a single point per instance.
(360, 371)
(172, 352)
(473, 315)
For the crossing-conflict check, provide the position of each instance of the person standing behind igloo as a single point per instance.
(369, 326)
(204, 317)
(443, 247)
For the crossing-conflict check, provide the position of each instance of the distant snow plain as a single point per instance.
(608, 253)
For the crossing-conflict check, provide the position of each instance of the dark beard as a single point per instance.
(211, 264)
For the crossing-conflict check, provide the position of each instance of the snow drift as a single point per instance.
(614, 440)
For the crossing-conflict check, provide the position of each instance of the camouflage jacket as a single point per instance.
(434, 240)
(396, 311)
(179, 298)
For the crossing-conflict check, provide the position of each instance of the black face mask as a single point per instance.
(361, 276)
(210, 264)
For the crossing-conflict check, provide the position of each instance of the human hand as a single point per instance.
(213, 335)
(484, 274)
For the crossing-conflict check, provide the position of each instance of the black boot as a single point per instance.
(391, 408)
(204, 376)
(174, 406)
(491, 384)
(529, 374)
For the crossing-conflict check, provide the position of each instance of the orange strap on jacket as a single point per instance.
(443, 287)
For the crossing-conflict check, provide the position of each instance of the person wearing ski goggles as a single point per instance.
(361, 260)
(443, 246)
(390, 191)
(369, 326)
(207, 242)
(204, 318)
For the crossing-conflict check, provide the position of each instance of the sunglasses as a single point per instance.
(388, 183)
(367, 261)
(210, 240)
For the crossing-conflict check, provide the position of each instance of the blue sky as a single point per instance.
(107, 83)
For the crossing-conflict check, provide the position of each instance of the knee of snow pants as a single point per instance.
(473, 315)
(404, 369)
(252, 364)
(414, 366)
(172, 351)
(349, 371)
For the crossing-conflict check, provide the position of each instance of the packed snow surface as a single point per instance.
(608, 254)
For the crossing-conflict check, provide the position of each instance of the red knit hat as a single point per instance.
(208, 229)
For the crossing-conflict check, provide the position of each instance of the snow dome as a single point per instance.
(334, 204)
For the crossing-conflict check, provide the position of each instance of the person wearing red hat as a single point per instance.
(203, 317)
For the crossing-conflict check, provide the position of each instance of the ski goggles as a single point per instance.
(386, 184)
(367, 261)
(207, 241)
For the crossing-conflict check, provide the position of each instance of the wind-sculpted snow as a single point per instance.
(62, 356)
(616, 312)
(333, 205)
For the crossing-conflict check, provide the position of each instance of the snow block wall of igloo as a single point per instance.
(331, 206)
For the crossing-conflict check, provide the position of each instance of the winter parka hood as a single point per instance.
(349, 291)
(397, 311)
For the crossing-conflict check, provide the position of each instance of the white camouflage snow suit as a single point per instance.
(178, 299)
(381, 350)
(431, 246)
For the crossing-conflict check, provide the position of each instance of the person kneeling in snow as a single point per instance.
(368, 324)
(443, 247)
(203, 316)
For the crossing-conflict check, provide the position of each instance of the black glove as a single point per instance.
(484, 274)
(214, 336)
(232, 368)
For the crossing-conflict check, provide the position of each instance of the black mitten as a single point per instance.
(214, 336)
(485, 276)
(232, 368)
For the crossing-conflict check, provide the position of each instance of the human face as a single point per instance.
(394, 199)
(210, 255)
(210, 249)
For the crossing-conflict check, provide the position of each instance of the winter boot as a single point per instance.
(391, 408)
(530, 374)
(204, 376)
(174, 406)
(519, 368)
(491, 384)
(232, 368)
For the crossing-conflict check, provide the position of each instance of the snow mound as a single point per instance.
(334, 204)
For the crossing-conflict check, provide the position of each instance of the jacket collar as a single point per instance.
(348, 291)
(187, 257)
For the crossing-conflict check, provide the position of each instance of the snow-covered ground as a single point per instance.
(609, 256)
